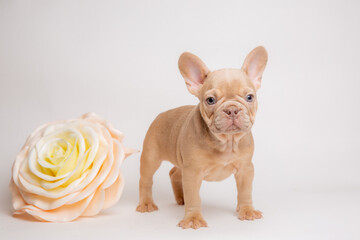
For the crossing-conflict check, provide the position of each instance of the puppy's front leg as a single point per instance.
(192, 179)
(244, 178)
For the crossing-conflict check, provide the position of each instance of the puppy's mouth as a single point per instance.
(228, 126)
(233, 128)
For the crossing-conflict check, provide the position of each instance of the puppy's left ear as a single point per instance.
(194, 71)
(254, 65)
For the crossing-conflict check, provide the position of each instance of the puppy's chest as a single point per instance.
(220, 168)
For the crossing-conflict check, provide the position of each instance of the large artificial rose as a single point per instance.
(68, 169)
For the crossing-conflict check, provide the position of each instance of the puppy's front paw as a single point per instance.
(180, 200)
(146, 207)
(248, 213)
(195, 222)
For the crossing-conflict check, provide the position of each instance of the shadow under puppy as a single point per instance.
(209, 141)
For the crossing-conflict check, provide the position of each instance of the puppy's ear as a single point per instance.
(193, 70)
(255, 64)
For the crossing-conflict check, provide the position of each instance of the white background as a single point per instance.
(60, 59)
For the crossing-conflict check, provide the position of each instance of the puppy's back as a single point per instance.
(164, 131)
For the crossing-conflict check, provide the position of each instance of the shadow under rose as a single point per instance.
(24, 217)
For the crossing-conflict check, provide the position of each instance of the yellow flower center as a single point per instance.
(62, 154)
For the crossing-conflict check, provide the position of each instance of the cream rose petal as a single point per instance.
(91, 187)
(113, 193)
(68, 169)
(17, 200)
(65, 213)
(96, 204)
(120, 155)
(34, 187)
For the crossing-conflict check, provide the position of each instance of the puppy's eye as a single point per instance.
(210, 100)
(250, 98)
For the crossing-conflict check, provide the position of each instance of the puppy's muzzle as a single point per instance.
(232, 117)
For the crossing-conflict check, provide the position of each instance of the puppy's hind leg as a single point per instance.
(149, 163)
(176, 182)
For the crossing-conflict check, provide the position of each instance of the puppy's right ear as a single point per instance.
(194, 71)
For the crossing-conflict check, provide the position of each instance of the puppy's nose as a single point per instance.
(232, 111)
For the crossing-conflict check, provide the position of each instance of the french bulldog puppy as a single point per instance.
(209, 141)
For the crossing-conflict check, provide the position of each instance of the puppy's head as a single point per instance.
(227, 97)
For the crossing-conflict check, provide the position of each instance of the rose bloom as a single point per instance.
(68, 169)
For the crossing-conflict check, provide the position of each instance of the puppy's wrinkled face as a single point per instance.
(228, 101)
(227, 96)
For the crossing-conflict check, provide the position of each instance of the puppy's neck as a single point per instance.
(226, 143)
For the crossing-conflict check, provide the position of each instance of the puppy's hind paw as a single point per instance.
(180, 201)
(146, 207)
